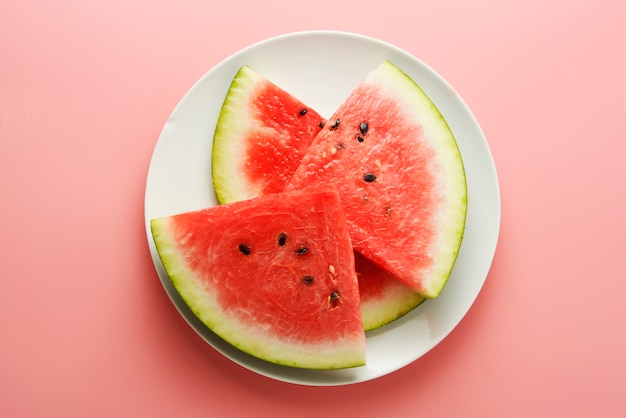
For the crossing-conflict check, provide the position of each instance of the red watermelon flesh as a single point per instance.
(274, 276)
(395, 163)
(260, 138)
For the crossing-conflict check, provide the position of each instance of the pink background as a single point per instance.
(86, 327)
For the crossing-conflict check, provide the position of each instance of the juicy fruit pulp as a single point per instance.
(273, 276)
(261, 135)
(395, 163)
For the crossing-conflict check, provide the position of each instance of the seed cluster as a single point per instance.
(363, 128)
(360, 136)
(307, 280)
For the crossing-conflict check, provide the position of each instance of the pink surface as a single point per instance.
(87, 329)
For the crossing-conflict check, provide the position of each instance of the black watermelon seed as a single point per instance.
(369, 177)
(282, 239)
(360, 138)
(334, 296)
(302, 250)
(307, 280)
(303, 112)
(321, 124)
(245, 250)
(335, 125)
(363, 127)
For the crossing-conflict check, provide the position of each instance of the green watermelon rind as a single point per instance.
(249, 339)
(227, 155)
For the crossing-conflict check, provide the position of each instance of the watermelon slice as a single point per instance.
(273, 276)
(260, 138)
(383, 297)
(400, 176)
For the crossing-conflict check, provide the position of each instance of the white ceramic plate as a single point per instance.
(321, 68)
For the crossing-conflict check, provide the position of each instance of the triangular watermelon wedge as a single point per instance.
(397, 168)
(260, 137)
(273, 276)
